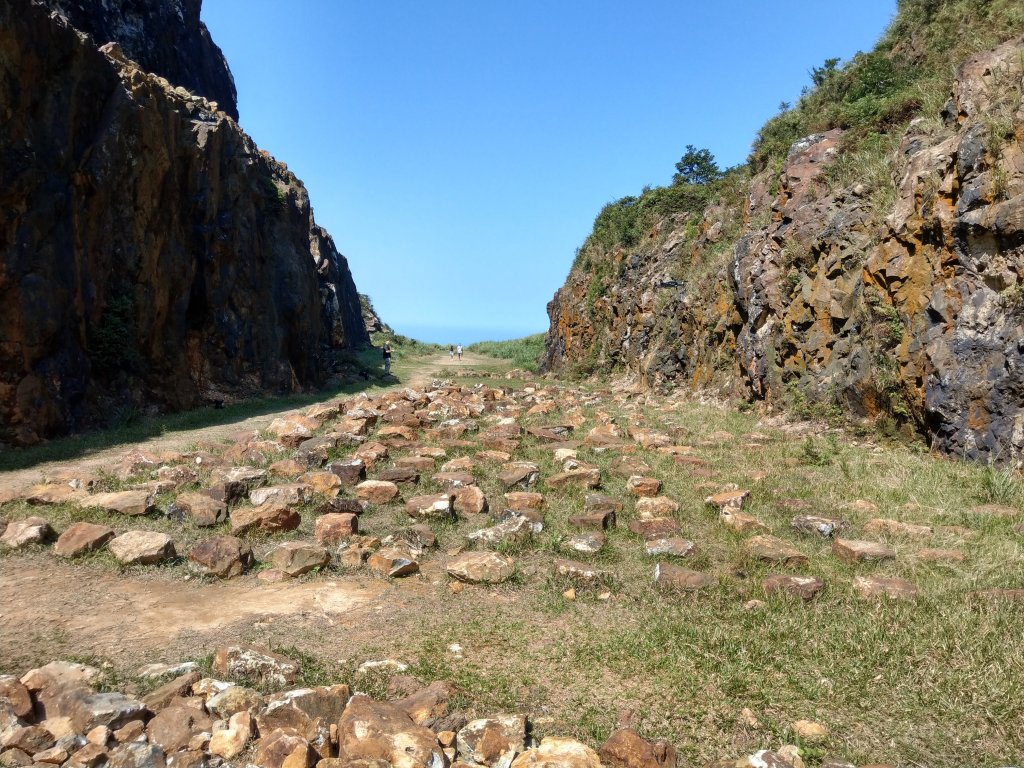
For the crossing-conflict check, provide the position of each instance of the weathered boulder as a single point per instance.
(142, 548)
(82, 537)
(377, 491)
(221, 556)
(556, 752)
(334, 527)
(626, 749)
(131, 503)
(268, 518)
(298, 557)
(25, 533)
(481, 567)
(493, 742)
(257, 665)
(203, 510)
(853, 551)
(371, 731)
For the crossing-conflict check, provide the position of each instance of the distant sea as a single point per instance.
(436, 334)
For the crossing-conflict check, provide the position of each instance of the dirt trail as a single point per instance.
(14, 481)
(49, 607)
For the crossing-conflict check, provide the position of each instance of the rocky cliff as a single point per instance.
(901, 301)
(151, 256)
(165, 37)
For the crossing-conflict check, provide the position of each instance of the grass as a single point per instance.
(524, 353)
(932, 682)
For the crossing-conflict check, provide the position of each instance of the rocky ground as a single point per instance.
(516, 571)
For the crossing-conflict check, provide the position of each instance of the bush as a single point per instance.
(524, 352)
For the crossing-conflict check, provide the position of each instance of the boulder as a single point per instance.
(268, 518)
(371, 731)
(587, 543)
(578, 478)
(519, 501)
(298, 557)
(826, 527)
(673, 546)
(555, 752)
(626, 749)
(230, 484)
(16, 697)
(523, 477)
(426, 705)
(481, 567)
(654, 527)
(734, 499)
(323, 483)
(772, 549)
(142, 548)
(377, 491)
(203, 510)
(131, 503)
(673, 577)
(432, 507)
(515, 529)
(178, 688)
(470, 500)
(854, 551)
(452, 480)
(289, 494)
(348, 471)
(493, 742)
(393, 561)
(334, 527)
(222, 556)
(173, 727)
(656, 506)
(82, 537)
(88, 710)
(581, 572)
(24, 533)
(255, 665)
(804, 587)
(643, 486)
(136, 755)
(284, 748)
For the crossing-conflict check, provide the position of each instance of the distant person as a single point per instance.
(458, 351)
(387, 358)
(451, 352)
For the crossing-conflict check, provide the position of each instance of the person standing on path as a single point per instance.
(458, 350)
(451, 352)
(387, 358)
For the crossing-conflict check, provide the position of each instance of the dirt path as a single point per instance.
(420, 376)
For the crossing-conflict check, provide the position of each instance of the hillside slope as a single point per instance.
(876, 265)
(151, 256)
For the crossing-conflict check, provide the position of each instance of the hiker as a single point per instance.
(451, 352)
(387, 358)
(458, 349)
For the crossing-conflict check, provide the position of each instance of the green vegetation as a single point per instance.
(524, 353)
(403, 345)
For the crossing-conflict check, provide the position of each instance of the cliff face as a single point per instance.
(150, 254)
(802, 289)
(164, 37)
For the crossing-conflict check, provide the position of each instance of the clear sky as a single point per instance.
(459, 150)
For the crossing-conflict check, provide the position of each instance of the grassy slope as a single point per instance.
(523, 352)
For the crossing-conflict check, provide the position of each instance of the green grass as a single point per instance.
(524, 352)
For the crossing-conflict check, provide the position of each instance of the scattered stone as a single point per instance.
(643, 486)
(656, 506)
(232, 484)
(740, 522)
(772, 549)
(808, 730)
(672, 576)
(432, 507)
(15, 696)
(673, 546)
(222, 556)
(287, 468)
(519, 501)
(826, 527)
(267, 518)
(588, 543)
(597, 519)
(896, 528)
(393, 562)
(493, 741)
(515, 529)
(334, 527)
(166, 694)
(28, 738)
(555, 752)
(51, 495)
(372, 733)
(298, 557)
(853, 551)
(884, 586)
(322, 483)
(142, 548)
(203, 510)
(349, 471)
(571, 569)
(131, 503)
(113, 710)
(377, 491)
(580, 478)
(522, 476)
(24, 533)
(400, 475)
(173, 728)
(293, 430)
(470, 500)
(232, 699)
(626, 749)
(804, 587)
(452, 480)
(284, 748)
(82, 537)
(415, 463)
(481, 567)
(729, 499)
(256, 665)
(281, 495)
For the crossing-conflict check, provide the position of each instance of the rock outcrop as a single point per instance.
(165, 37)
(151, 255)
(806, 289)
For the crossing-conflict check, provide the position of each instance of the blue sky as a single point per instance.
(459, 150)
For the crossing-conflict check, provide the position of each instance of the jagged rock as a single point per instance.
(268, 518)
(257, 665)
(774, 550)
(399, 475)
(221, 556)
(173, 727)
(826, 527)
(481, 567)
(298, 557)
(519, 501)
(580, 478)
(426, 705)
(234, 699)
(587, 543)
(729, 499)
(167, 693)
(654, 527)
(370, 731)
(142, 548)
(348, 471)
(554, 751)
(643, 486)
(136, 755)
(740, 522)
(493, 742)
(656, 506)
(674, 577)
(674, 546)
(203, 510)
(524, 477)
(887, 586)
(852, 550)
(25, 533)
(804, 587)
(433, 507)
(132, 503)
(516, 528)
(15, 695)
(452, 480)
(377, 491)
(470, 500)
(29, 738)
(334, 527)
(625, 749)
(393, 561)
(88, 710)
(281, 495)
(49, 495)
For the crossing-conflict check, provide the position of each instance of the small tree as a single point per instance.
(697, 166)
